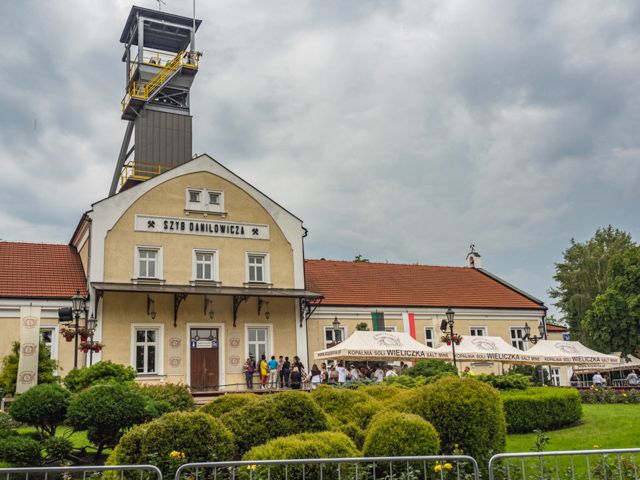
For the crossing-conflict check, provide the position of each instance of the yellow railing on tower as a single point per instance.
(141, 171)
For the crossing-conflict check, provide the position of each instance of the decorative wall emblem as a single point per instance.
(386, 340)
(567, 348)
(175, 362)
(27, 377)
(29, 322)
(234, 360)
(486, 345)
(234, 342)
(175, 342)
(29, 349)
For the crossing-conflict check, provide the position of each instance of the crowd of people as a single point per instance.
(283, 373)
(603, 380)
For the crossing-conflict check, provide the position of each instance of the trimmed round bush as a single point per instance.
(463, 411)
(199, 436)
(395, 434)
(228, 403)
(43, 406)
(21, 451)
(98, 374)
(383, 393)
(278, 415)
(351, 430)
(346, 406)
(105, 411)
(177, 395)
(541, 408)
(305, 445)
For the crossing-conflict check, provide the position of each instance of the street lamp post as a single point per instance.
(77, 305)
(92, 323)
(336, 330)
(535, 339)
(449, 323)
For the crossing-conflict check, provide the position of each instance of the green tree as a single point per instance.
(582, 276)
(362, 327)
(614, 320)
(44, 407)
(9, 375)
(360, 259)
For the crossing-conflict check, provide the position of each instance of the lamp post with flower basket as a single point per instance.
(452, 336)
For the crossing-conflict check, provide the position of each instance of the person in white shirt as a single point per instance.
(632, 379)
(342, 373)
(353, 371)
(390, 372)
(598, 380)
(379, 374)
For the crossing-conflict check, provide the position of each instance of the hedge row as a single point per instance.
(541, 408)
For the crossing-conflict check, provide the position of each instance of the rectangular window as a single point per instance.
(331, 336)
(478, 331)
(49, 336)
(257, 268)
(146, 344)
(148, 263)
(204, 201)
(257, 341)
(556, 378)
(214, 198)
(517, 335)
(194, 196)
(429, 339)
(205, 265)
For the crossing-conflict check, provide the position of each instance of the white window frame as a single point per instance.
(203, 204)
(215, 268)
(269, 339)
(55, 335)
(482, 329)
(556, 376)
(159, 347)
(329, 328)
(525, 344)
(266, 277)
(430, 342)
(159, 263)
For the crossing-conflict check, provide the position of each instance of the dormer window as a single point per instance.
(205, 201)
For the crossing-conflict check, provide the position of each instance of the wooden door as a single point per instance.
(204, 358)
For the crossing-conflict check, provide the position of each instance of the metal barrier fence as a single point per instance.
(363, 468)
(84, 473)
(596, 464)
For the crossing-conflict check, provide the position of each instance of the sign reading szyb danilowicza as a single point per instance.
(212, 228)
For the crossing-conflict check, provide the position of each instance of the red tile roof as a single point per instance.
(556, 328)
(383, 284)
(40, 270)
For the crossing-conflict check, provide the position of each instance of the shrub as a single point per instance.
(7, 422)
(530, 371)
(305, 445)
(356, 434)
(406, 382)
(395, 434)
(21, 451)
(383, 393)
(463, 411)
(357, 383)
(176, 394)
(43, 406)
(346, 406)
(58, 448)
(9, 375)
(99, 373)
(514, 381)
(228, 403)
(200, 437)
(105, 411)
(430, 368)
(541, 409)
(278, 415)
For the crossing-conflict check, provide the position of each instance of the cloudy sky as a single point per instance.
(403, 131)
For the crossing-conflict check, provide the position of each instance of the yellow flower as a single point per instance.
(456, 445)
(437, 468)
(448, 466)
(596, 446)
(624, 394)
(251, 467)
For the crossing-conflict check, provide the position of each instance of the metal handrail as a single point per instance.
(84, 469)
(142, 170)
(251, 465)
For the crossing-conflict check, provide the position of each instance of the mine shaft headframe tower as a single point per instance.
(157, 85)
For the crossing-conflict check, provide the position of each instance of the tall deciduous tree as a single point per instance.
(582, 276)
(614, 319)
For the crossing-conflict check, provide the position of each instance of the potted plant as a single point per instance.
(68, 333)
(97, 346)
(85, 333)
(85, 346)
(451, 337)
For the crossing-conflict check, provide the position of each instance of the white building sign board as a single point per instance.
(208, 228)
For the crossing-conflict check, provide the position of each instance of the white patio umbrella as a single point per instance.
(489, 349)
(381, 346)
(633, 364)
(558, 352)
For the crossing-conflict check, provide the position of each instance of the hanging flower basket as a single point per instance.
(68, 333)
(85, 332)
(448, 338)
(86, 347)
(448, 343)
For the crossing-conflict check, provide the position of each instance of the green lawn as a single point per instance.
(608, 426)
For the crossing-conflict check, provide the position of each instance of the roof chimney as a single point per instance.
(473, 259)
